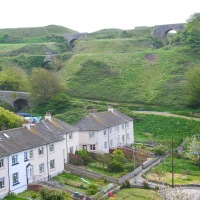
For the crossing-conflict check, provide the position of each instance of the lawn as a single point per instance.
(186, 171)
(137, 194)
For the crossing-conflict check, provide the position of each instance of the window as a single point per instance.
(84, 146)
(111, 143)
(127, 125)
(14, 160)
(91, 134)
(105, 145)
(123, 138)
(41, 168)
(70, 136)
(31, 153)
(40, 151)
(1, 163)
(92, 147)
(52, 164)
(128, 136)
(110, 130)
(71, 150)
(15, 177)
(51, 147)
(122, 126)
(2, 185)
(117, 128)
(25, 155)
(104, 132)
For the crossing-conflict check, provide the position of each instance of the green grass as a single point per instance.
(28, 194)
(163, 129)
(137, 194)
(14, 197)
(74, 182)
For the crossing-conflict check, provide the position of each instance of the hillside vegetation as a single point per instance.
(111, 64)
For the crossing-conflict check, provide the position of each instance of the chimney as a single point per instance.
(110, 108)
(92, 112)
(47, 116)
(26, 124)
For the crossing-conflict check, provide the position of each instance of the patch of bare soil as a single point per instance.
(150, 57)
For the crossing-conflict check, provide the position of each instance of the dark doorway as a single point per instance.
(20, 105)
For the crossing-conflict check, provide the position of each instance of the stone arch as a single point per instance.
(161, 31)
(20, 104)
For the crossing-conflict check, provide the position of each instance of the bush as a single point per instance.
(159, 150)
(115, 166)
(145, 185)
(92, 189)
(129, 166)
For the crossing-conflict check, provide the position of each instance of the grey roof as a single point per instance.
(21, 139)
(102, 120)
(56, 126)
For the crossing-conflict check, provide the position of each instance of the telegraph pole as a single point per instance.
(172, 163)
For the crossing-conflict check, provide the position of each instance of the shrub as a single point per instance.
(92, 189)
(145, 185)
(159, 150)
(115, 166)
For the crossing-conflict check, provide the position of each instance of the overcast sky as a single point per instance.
(93, 15)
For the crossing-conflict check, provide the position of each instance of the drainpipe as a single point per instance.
(67, 148)
(47, 161)
(8, 175)
(108, 141)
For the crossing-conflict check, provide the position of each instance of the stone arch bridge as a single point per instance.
(161, 31)
(70, 37)
(18, 100)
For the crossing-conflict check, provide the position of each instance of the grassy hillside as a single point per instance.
(152, 76)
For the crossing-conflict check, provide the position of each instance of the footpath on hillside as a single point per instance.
(167, 114)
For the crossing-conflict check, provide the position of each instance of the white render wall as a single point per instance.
(57, 155)
(74, 142)
(4, 173)
(116, 136)
(21, 169)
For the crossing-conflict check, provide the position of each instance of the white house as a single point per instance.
(28, 154)
(101, 131)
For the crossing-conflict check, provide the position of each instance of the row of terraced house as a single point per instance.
(36, 153)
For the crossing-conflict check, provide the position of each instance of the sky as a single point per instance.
(94, 15)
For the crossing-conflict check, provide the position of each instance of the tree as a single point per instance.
(9, 119)
(118, 156)
(58, 103)
(192, 32)
(44, 85)
(193, 151)
(103, 158)
(13, 79)
(115, 166)
(159, 150)
(193, 86)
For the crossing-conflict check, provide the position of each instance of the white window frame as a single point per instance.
(128, 136)
(110, 130)
(14, 159)
(40, 151)
(127, 124)
(71, 149)
(51, 147)
(25, 156)
(91, 134)
(111, 143)
(2, 183)
(41, 168)
(123, 138)
(52, 164)
(15, 178)
(105, 145)
(70, 136)
(31, 153)
(104, 132)
(1, 163)
(92, 147)
(117, 128)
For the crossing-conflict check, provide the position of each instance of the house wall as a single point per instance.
(19, 168)
(73, 142)
(57, 155)
(4, 173)
(115, 136)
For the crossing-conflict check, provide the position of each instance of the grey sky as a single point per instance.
(93, 15)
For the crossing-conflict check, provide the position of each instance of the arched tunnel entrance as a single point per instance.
(20, 105)
(169, 35)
